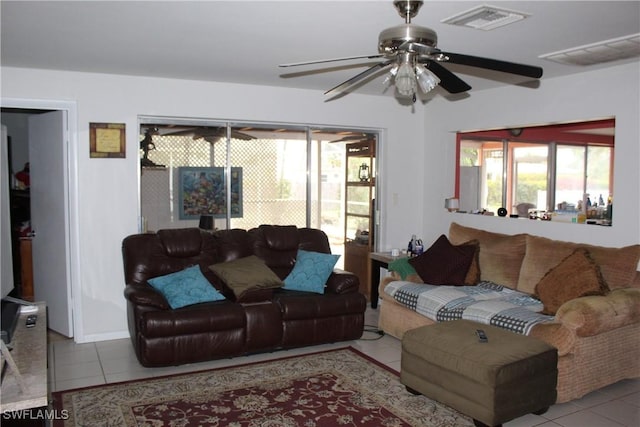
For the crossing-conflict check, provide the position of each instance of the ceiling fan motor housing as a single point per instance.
(408, 8)
(392, 38)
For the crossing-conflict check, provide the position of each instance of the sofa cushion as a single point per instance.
(576, 276)
(444, 263)
(500, 255)
(473, 274)
(618, 265)
(310, 272)
(246, 274)
(185, 287)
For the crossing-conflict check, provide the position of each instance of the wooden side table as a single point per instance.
(379, 260)
(26, 269)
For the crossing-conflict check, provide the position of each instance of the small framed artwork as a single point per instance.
(202, 191)
(107, 140)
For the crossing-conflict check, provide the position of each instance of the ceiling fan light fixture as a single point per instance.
(388, 81)
(406, 80)
(426, 79)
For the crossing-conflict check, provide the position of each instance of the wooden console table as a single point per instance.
(30, 356)
(378, 260)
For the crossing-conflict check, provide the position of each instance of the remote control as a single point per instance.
(482, 337)
(31, 320)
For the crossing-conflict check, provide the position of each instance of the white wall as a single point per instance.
(108, 188)
(416, 156)
(611, 92)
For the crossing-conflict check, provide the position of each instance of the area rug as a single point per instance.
(340, 387)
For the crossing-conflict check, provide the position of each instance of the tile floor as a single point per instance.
(80, 365)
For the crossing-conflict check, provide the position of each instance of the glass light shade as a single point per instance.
(406, 80)
(388, 81)
(426, 79)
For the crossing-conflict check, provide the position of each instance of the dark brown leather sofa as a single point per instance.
(261, 321)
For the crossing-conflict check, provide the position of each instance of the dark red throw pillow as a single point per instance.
(444, 263)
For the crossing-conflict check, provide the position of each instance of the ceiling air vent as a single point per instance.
(597, 53)
(485, 18)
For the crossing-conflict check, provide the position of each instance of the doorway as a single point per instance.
(53, 121)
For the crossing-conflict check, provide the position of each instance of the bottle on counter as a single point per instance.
(411, 248)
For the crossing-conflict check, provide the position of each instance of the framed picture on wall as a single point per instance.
(107, 140)
(202, 191)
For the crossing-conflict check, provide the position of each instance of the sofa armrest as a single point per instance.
(145, 295)
(555, 334)
(342, 282)
(393, 276)
(591, 315)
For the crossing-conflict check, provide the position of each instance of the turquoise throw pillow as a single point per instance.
(186, 287)
(311, 271)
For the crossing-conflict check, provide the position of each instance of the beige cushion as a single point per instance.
(618, 265)
(500, 256)
(576, 276)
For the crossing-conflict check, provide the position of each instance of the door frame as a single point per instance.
(71, 199)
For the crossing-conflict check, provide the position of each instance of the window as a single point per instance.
(565, 169)
(274, 174)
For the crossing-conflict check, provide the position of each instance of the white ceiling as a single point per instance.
(244, 41)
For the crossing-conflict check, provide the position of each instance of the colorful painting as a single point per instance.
(203, 192)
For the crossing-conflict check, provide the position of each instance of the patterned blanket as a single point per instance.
(486, 303)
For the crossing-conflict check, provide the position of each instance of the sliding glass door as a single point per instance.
(241, 175)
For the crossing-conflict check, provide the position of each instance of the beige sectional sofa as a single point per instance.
(597, 336)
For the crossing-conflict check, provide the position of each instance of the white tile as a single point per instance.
(560, 410)
(79, 370)
(548, 424)
(127, 376)
(83, 355)
(68, 346)
(394, 365)
(528, 420)
(120, 365)
(78, 383)
(633, 398)
(622, 388)
(585, 419)
(592, 399)
(619, 411)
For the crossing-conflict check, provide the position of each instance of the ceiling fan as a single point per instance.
(409, 52)
(212, 134)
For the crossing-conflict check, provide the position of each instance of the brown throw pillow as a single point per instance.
(444, 263)
(576, 276)
(247, 274)
(618, 265)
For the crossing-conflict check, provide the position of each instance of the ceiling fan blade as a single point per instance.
(241, 135)
(494, 64)
(215, 134)
(449, 81)
(321, 61)
(353, 80)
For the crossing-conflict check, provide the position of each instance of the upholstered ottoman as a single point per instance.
(506, 377)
